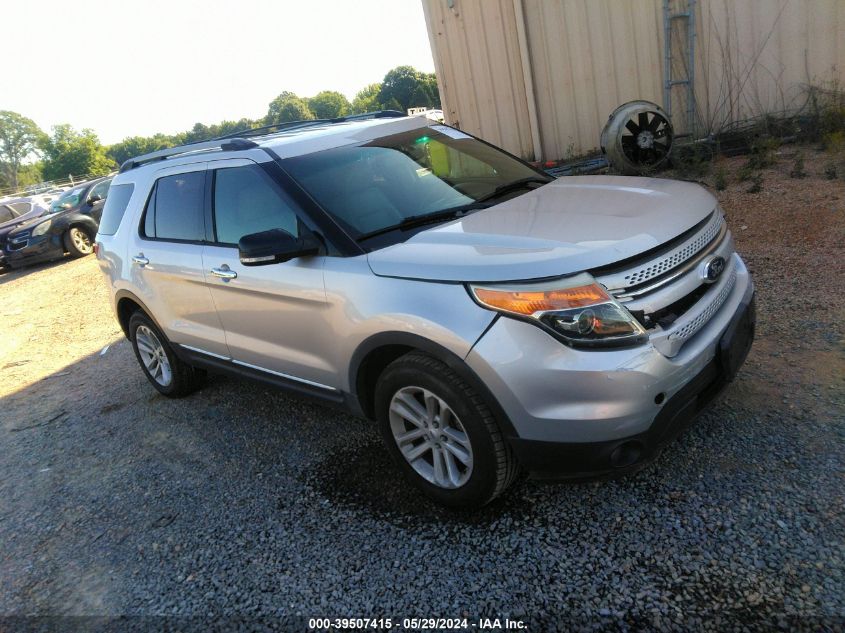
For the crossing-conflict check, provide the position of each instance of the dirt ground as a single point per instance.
(240, 499)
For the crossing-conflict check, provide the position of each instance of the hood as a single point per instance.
(573, 224)
(31, 222)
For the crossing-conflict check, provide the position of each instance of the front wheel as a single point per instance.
(442, 433)
(78, 243)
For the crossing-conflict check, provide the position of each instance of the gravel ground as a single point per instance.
(240, 502)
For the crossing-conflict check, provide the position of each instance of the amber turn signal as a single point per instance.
(530, 302)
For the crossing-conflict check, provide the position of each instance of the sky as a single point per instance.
(136, 68)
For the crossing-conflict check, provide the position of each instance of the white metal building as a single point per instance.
(540, 77)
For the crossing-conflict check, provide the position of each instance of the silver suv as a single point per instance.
(490, 318)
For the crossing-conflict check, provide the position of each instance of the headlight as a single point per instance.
(577, 310)
(42, 228)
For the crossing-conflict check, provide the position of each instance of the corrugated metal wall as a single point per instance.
(562, 66)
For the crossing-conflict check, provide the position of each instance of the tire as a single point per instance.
(166, 372)
(467, 483)
(78, 242)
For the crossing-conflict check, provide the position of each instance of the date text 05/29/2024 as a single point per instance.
(416, 624)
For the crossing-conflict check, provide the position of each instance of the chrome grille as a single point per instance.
(694, 325)
(21, 240)
(621, 281)
(678, 256)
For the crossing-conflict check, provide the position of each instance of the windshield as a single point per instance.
(374, 187)
(67, 200)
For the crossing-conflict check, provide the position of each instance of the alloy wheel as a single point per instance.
(81, 240)
(153, 355)
(430, 437)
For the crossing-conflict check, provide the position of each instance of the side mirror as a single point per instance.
(275, 246)
(95, 198)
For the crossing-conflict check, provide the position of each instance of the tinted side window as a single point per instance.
(175, 209)
(101, 189)
(6, 213)
(21, 207)
(115, 207)
(247, 201)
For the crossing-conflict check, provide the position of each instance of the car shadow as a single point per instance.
(10, 274)
(232, 435)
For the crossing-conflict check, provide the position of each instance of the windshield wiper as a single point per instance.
(426, 218)
(513, 186)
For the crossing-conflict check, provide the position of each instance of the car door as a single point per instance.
(274, 316)
(166, 260)
(93, 205)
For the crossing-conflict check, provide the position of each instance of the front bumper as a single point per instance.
(580, 414)
(38, 249)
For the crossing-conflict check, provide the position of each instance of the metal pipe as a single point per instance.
(691, 68)
(667, 59)
(528, 79)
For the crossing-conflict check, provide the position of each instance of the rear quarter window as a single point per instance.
(175, 210)
(115, 208)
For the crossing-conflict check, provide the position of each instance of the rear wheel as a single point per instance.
(78, 243)
(165, 371)
(442, 433)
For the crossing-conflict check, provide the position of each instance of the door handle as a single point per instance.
(140, 260)
(224, 272)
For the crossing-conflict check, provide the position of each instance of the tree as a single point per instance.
(19, 139)
(230, 127)
(68, 152)
(329, 104)
(288, 107)
(137, 145)
(409, 88)
(367, 100)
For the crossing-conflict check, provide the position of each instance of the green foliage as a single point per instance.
(288, 107)
(691, 161)
(756, 183)
(797, 170)
(745, 173)
(367, 100)
(329, 104)
(68, 152)
(763, 150)
(721, 179)
(137, 145)
(31, 174)
(834, 142)
(408, 87)
(20, 138)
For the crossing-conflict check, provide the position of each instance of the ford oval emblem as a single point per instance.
(712, 269)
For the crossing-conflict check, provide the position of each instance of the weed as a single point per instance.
(763, 150)
(798, 168)
(745, 172)
(756, 183)
(834, 142)
(721, 179)
(691, 160)
(830, 171)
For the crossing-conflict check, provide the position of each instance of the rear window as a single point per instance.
(116, 203)
(175, 208)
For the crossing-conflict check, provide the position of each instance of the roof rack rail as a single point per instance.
(200, 146)
(292, 125)
(376, 114)
(279, 127)
(237, 140)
